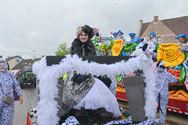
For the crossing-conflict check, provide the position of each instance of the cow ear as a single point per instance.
(144, 46)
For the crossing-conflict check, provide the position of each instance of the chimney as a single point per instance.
(141, 21)
(140, 27)
(155, 18)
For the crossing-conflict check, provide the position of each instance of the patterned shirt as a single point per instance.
(163, 79)
(7, 83)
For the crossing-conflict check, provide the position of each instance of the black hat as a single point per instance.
(86, 29)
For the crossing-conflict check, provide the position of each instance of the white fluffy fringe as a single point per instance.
(48, 78)
(150, 89)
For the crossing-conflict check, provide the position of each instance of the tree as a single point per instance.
(62, 50)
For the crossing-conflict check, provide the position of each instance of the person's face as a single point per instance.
(83, 37)
(3, 66)
(151, 36)
(182, 40)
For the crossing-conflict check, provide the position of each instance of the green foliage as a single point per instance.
(111, 44)
(119, 78)
(95, 40)
(62, 50)
(130, 47)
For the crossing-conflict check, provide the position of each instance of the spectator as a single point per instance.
(8, 84)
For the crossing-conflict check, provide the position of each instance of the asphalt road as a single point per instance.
(20, 111)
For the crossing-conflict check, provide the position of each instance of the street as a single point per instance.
(176, 119)
(20, 111)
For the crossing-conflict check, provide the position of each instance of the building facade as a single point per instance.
(166, 29)
(13, 61)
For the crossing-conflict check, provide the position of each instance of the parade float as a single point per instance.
(48, 77)
(48, 72)
(175, 59)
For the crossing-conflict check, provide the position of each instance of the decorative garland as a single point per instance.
(48, 79)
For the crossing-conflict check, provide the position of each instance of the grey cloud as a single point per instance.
(41, 25)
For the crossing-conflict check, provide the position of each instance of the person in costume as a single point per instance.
(8, 83)
(118, 35)
(130, 46)
(152, 40)
(163, 78)
(153, 37)
(186, 79)
(141, 43)
(86, 92)
(152, 43)
(133, 37)
(183, 39)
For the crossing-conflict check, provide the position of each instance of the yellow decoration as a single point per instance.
(171, 54)
(123, 117)
(103, 47)
(178, 95)
(65, 76)
(117, 47)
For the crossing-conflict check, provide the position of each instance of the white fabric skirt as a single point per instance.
(100, 96)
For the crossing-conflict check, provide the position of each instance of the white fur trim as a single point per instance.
(48, 76)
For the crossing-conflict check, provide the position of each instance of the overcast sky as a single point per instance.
(32, 28)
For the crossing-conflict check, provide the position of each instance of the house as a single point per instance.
(166, 29)
(13, 61)
(24, 65)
